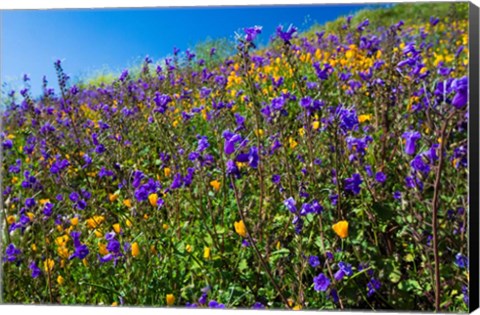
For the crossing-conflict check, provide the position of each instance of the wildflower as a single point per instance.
(287, 35)
(364, 118)
(34, 269)
(258, 306)
(116, 228)
(460, 86)
(461, 261)
(215, 184)
(135, 249)
(170, 299)
(48, 265)
(341, 228)
(240, 228)
(203, 298)
(290, 204)
(153, 198)
(215, 304)
(321, 282)
(252, 32)
(345, 270)
(30, 202)
(60, 280)
(112, 197)
(12, 253)
(206, 252)
(373, 285)
(188, 248)
(380, 177)
(74, 221)
(95, 221)
(411, 138)
(128, 203)
(353, 184)
(314, 261)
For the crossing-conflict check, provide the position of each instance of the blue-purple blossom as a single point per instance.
(321, 282)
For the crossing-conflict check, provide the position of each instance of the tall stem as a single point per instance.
(436, 188)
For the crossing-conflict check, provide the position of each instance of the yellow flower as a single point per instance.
(170, 299)
(60, 280)
(85, 262)
(206, 253)
(363, 118)
(74, 221)
(34, 247)
(135, 249)
(115, 303)
(11, 219)
(167, 171)
(48, 265)
(153, 198)
(165, 226)
(215, 184)
(102, 249)
(188, 248)
(259, 132)
(301, 132)
(128, 223)
(341, 228)
(116, 228)
(30, 216)
(112, 197)
(15, 180)
(98, 233)
(240, 228)
(297, 307)
(292, 143)
(315, 125)
(128, 203)
(95, 221)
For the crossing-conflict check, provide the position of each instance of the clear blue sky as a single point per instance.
(95, 39)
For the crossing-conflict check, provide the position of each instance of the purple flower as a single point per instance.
(47, 209)
(30, 202)
(253, 157)
(74, 196)
(411, 138)
(461, 261)
(373, 285)
(290, 204)
(36, 272)
(288, 34)
(380, 177)
(258, 306)
(12, 253)
(345, 270)
(252, 32)
(397, 195)
(230, 140)
(215, 304)
(353, 184)
(434, 21)
(321, 282)
(460, 86)
(7, 144)
(314, 261)
(419, 165)
(232, 168)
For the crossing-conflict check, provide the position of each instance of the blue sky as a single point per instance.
(89, 40)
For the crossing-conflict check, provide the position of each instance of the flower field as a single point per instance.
(327, 170)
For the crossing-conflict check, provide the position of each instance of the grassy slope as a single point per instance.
(408, 12)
